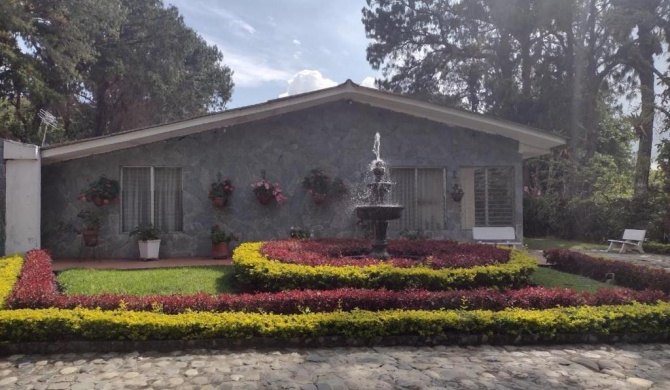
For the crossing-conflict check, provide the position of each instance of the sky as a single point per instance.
(280, 48)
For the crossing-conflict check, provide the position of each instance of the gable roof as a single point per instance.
(532, 142)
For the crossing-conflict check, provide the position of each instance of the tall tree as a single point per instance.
(642, 27)
(157, 70)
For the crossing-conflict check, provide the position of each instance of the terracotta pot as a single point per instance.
(220, 250)
(220, 202)
(90, 237)
(319, 198)
(264, 199)
(98, 201)
(457, 197)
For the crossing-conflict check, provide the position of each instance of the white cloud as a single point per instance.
(214, 12)
(306, 81)
(297, 42)
(368, 82)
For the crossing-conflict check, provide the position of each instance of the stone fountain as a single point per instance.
(379, 211)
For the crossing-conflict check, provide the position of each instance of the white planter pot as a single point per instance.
(149, 249)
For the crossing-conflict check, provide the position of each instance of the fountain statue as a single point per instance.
(379, 211)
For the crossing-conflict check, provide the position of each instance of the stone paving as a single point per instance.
(647, 259)
(621, 366)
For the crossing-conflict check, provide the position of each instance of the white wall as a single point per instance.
(23, 197)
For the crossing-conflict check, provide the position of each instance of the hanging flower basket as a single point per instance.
(266, 192)
(101, 192)
(220, 192)
(457, 193)
(322, 188)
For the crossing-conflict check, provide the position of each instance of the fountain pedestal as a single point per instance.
(379, 213)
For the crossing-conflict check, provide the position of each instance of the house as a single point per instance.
(165, 172)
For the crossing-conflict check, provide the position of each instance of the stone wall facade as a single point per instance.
(3, 203)
(335, 137)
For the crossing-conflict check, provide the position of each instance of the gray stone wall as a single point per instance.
(3, 189)
(336, 137)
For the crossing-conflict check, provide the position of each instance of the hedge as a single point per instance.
(255, 272)
(77, 324)
(625, 274)
(657, 248)
(10, 269)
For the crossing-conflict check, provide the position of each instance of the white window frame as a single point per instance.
(152, 187)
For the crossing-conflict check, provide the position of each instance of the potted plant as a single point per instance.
(456, 193)
(321, 187)
(149, 240)
(220, 242)
(220, 191)
(266, 192)
(91, 220)
(101, 192)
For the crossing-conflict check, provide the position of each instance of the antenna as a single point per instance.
(47, 120)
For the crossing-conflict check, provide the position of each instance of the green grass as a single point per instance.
(547, 277)
(553, 243)
(184, 280)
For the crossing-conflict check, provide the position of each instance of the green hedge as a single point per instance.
(85, 324)
(10, 270)
(656, 247)
(256, 272)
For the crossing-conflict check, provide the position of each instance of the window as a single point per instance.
(421, 191)
(151, 195)
(489, 197)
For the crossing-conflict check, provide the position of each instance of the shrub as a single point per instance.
(56, 324)
(656, 247)
(10, 269)
(36, 286)
(626, 274)
(425, 253)
(256, 272)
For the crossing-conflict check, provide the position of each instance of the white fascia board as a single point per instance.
(13, 150)
(528, 151)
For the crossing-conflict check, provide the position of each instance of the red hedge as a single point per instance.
(36, 288)
(405, 253)
(626, 274)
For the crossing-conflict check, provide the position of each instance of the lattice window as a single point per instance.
(489, 197)
(421, 191)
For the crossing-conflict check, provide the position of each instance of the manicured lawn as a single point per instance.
(547, 277)
(553, 243)
(185, 280)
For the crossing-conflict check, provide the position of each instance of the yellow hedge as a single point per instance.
(78, 324)
(257, 272)
(10, 270)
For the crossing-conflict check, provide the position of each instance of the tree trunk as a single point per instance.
(645, 128)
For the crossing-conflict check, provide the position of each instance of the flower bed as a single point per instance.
(56, 324)
(36, 289)
(424, 253)
(360, 314)
(257, 272)
(625, 274)
(10, 270)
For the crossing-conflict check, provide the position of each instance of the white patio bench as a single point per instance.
(495, 236)
(631, 241)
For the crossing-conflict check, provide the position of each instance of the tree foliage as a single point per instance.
(103, 66)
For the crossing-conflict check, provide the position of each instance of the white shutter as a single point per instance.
(494, 197)
(404, 192)
(468, 201)
(430, 199)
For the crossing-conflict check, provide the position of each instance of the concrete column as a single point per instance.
(23, 200)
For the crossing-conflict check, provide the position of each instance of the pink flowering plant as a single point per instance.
(102, 191)
(265, 190)
(221, 189)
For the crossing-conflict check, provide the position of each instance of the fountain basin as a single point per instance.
(379, 212)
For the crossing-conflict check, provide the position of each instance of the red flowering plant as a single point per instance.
(220, 191)
(101, 192)
(322, 187)
(266, 191)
